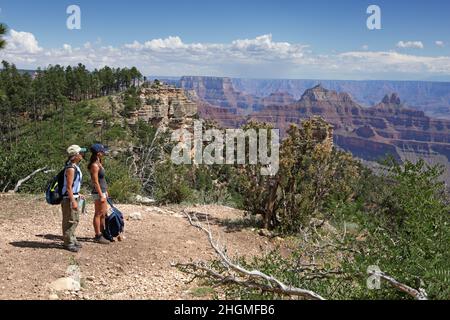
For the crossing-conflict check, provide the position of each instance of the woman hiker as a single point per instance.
(99, 191)
(71, 197)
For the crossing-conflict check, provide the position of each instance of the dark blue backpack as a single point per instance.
(53, 193)
(114, 223)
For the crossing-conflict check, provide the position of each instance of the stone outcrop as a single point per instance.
(165, 105)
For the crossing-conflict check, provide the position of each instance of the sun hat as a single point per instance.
(74, 150)
(96, 148)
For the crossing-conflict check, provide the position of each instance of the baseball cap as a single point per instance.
(74, 150)
(96, 148)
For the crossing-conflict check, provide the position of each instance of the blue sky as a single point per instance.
(246, 38)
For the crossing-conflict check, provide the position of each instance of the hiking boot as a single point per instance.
(101, 239)
(72, 248)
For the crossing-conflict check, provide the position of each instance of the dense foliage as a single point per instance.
(43, 113)
(26, 96)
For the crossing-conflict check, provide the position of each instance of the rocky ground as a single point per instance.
(33, 264)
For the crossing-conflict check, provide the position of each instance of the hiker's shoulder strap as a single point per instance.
(70, 165)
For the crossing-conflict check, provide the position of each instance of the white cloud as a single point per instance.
(396, 62)
(22, 42)
(410, 45)
(67, 47)
(258, 57)
(440, 44)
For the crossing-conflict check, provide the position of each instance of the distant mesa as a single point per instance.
(433, 98)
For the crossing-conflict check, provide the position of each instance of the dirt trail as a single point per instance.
(31, 255)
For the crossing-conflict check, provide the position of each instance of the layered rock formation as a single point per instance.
(369, 133)
(220, 92)
(431, 97)
(165, 105)
(389, 127)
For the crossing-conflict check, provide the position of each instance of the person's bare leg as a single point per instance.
(104, 209)
(98, 219)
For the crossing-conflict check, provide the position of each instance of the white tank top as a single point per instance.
(76, 183)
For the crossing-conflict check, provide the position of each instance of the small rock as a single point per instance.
(65, 284)
(265, 233)
(135, 216)
(144, 200)
(155, 210)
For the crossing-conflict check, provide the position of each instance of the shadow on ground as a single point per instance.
(53, 237)
(57, 244)
(36, 245)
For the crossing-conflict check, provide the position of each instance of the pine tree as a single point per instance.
(3, 30)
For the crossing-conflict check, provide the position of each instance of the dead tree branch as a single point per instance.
(22, 181)
(273, 284)
(6, 186)
(416, 294)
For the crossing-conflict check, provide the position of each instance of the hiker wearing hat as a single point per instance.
(99, 191)
(71, 197)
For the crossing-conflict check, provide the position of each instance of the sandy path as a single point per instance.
(138, 268)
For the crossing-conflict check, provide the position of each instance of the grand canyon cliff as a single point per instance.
(389, 127)
(431, 97)
(369, 133)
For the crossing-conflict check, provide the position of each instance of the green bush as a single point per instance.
(311, 173)
(172, 183)
(18, 163)
(115, 134)
(121, 184)
(44, 143)
(407, 231)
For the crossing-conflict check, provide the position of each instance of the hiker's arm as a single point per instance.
(70, 174)
(96, 184)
